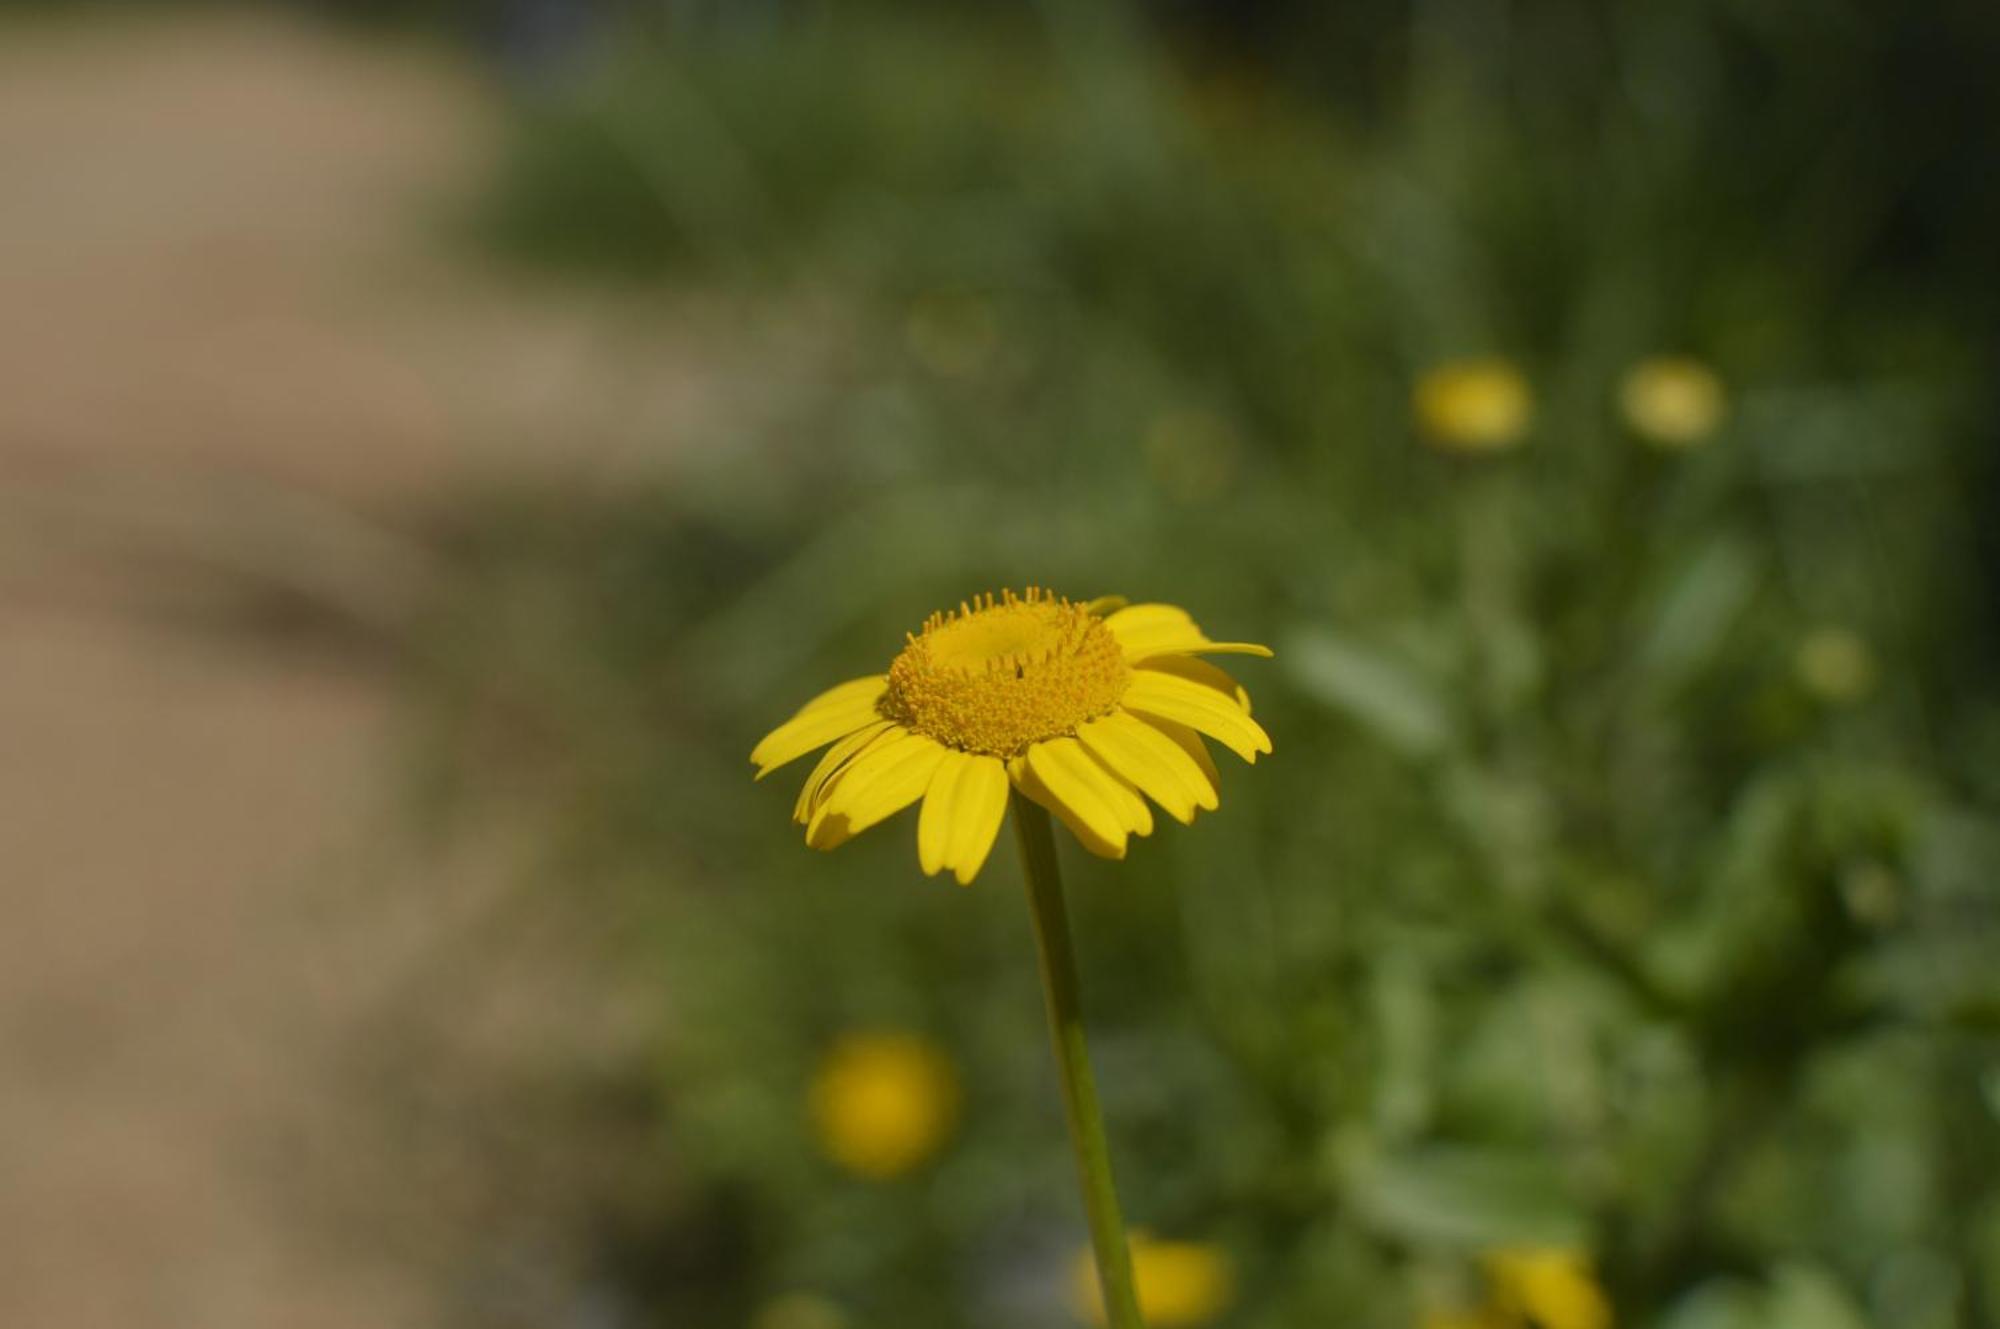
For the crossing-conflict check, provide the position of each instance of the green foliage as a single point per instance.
(1568, 910)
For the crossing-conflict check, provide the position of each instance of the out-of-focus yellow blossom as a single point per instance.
(884, 1102)
(1478, 405)
(800, 1310)
(1836, 665)
(1672, 401)
(1549, 1287)
(1180, 1282)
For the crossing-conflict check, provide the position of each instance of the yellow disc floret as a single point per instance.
(999, 674)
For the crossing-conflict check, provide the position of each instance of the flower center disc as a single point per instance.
(997, 675)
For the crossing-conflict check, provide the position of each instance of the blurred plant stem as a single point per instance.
(1086, 1120)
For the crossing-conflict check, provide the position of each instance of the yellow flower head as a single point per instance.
(1672, 401)
(1081, 707)
(1836, 665)
(1179, 1282)
(1548, 1287)
(883, 1103)
(1481, 405)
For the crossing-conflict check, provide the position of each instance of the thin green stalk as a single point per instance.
(1086, 1120)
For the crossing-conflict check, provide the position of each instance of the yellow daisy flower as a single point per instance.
(1476, 405)
(1081, 707)
(1672, 401)
(884, 1102)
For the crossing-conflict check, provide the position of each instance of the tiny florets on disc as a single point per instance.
(1001, 673)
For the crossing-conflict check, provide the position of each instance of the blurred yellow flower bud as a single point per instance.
(1672, 401)
(884, 1102)
(1836, 665)
(1550, 1287)
(1180, 1282)
(1480, 405)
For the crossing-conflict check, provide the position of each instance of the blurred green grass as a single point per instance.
(1576, 907)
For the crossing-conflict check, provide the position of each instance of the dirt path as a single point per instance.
(231, 351)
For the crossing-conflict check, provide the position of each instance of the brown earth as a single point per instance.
(236, 355)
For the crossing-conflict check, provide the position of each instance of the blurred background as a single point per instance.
(438, 439)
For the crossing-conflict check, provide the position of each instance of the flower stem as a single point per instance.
(1086, 1120)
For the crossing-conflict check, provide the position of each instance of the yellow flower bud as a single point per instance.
(884, 1102)
(1480, 405)
(1550, 1287)
(1836, 665)
(1672, 401)
(1180, 1283)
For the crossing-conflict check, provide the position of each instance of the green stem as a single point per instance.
(1086, 1120)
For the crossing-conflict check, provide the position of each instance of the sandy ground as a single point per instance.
(235, 357)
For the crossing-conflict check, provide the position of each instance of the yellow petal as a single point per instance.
(1174, 698)
(1029, 783)
(795, 738)
(834, 758)
(1105, 604)
(859, 771)
(854, 689)
(935, 821)
(1139, 624)
(890, 787)
(1149, 759)
(979, 806)
(836, 712)
(1147, 630)
(1202, 646)
(1188, 741)
(1201, 671)
(1124, 796)
(1078, 781)
(878, 784)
